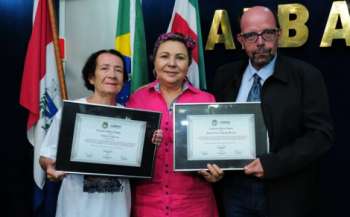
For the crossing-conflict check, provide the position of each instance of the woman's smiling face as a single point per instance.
(171, 63)
(108, 77)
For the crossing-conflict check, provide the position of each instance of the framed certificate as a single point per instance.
(106, 140)
(228, 134)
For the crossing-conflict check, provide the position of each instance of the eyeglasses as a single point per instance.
(267, 35)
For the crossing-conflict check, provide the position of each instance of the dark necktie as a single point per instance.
(255, 91)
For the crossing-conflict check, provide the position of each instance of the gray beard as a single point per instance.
(260, 64)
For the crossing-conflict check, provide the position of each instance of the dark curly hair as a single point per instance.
(189, 43)
(91, 63)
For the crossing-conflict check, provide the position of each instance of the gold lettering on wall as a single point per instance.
(294, 31)
(339, 11)
(220, 20)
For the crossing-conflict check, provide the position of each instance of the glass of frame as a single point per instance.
(106, 140)
(228, 134)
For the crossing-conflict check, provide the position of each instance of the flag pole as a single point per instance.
(59, 64)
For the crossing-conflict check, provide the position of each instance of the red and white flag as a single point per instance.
(40, 92)
(185, 20)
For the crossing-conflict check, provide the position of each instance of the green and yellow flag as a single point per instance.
(130, 41)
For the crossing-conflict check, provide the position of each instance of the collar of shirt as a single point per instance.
(186, 86)
(248, 79)
(264, 73)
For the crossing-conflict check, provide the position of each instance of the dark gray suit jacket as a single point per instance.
(296, 113)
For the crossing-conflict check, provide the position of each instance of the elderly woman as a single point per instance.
(85, 195)
(169, 193)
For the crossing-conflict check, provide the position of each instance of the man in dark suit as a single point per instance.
(294, 103)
